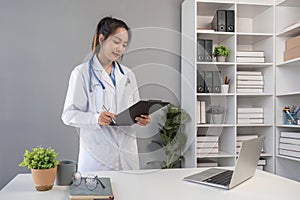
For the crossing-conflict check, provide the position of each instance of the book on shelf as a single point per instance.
(250, 78)
(250, 121)
(207, 145)
(206, 163)
(260, 167)
(202, 112)
(289, 140)
(81, 192)
(290, 134)
(198, 112)
(250, 59)
(207, 138)
(203, 151)
(250, 110)
(249, 73)
(247, 82)
(249, 90)
(293, 147)
(245, 137)
(250, 53)
(284, 152)
(250, 86)
(250, 115)
(262, 162)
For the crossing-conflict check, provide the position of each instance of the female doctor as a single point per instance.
(97, 90)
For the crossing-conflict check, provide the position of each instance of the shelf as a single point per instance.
(214, 125)
(220, 155)
(253, 65)
(289, 3)
(254, 94)
(256, 125)
(289, 63)
(216, 36)
(251, 38)
(287, 126)
(215, 94)
(216, 63)
(266, 155)
(288, 94)
(291, 31)
(288, 158)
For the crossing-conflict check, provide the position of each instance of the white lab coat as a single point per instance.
(102, 147)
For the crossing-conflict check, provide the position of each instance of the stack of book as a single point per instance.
(206, 163)
(249, 82)
(201, 112)
(261, 163)
(250, 115)
(250, 56)
(241, 138)
(207, 145)
(289, 144)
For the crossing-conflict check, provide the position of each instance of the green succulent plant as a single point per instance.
(172, 138)
(39, 158)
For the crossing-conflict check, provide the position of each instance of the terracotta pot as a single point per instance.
(43, 178)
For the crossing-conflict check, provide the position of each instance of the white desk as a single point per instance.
(164, 184)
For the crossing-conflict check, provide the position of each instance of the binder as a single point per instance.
(216, 82)
(200, 50)
(200, 82)
(219, 21)
(229, 20)
(208, 78)
(208, 50)
(143, 107)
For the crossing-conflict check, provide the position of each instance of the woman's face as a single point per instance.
(114, 46)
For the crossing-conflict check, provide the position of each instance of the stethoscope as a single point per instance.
(92, 73)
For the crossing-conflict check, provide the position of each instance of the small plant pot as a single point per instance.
(221, 58)
(43, 178)
(217, 118)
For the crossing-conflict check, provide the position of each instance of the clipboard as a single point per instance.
(143, 107)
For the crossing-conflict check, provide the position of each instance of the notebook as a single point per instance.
(244, 169)
(143, 107)
(81, 192)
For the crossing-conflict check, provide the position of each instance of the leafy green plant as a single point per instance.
(39, 158)
(221, 51)
(172, 138)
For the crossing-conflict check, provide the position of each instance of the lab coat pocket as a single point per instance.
(99, 98)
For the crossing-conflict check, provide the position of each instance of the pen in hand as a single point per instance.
(112, 119)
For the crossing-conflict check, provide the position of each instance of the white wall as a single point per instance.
(40, 43)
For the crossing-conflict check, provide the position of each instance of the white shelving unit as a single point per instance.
(287, 84)
(254, 30)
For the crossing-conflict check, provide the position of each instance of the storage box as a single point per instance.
(291, 53)
(292, 42)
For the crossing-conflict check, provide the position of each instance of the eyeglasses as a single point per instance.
(91, 181)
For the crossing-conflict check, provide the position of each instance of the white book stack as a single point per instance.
(250, 82)
(241, 138)
(261, 164)
(250, 115)
(207, 145)
(206, 163)
(250, 56)
(289, 144)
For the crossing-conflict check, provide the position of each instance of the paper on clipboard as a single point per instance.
(143, 107)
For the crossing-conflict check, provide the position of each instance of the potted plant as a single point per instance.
(215, 114)
(43, 165)
(172, 138)
(221, 53)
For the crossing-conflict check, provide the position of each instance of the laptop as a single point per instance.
(244, 169)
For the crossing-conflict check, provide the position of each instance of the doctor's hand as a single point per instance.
(105, 118)
(143, 120)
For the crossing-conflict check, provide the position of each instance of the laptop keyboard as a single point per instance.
(221, 179)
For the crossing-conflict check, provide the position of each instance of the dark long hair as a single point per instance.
(106, 27)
